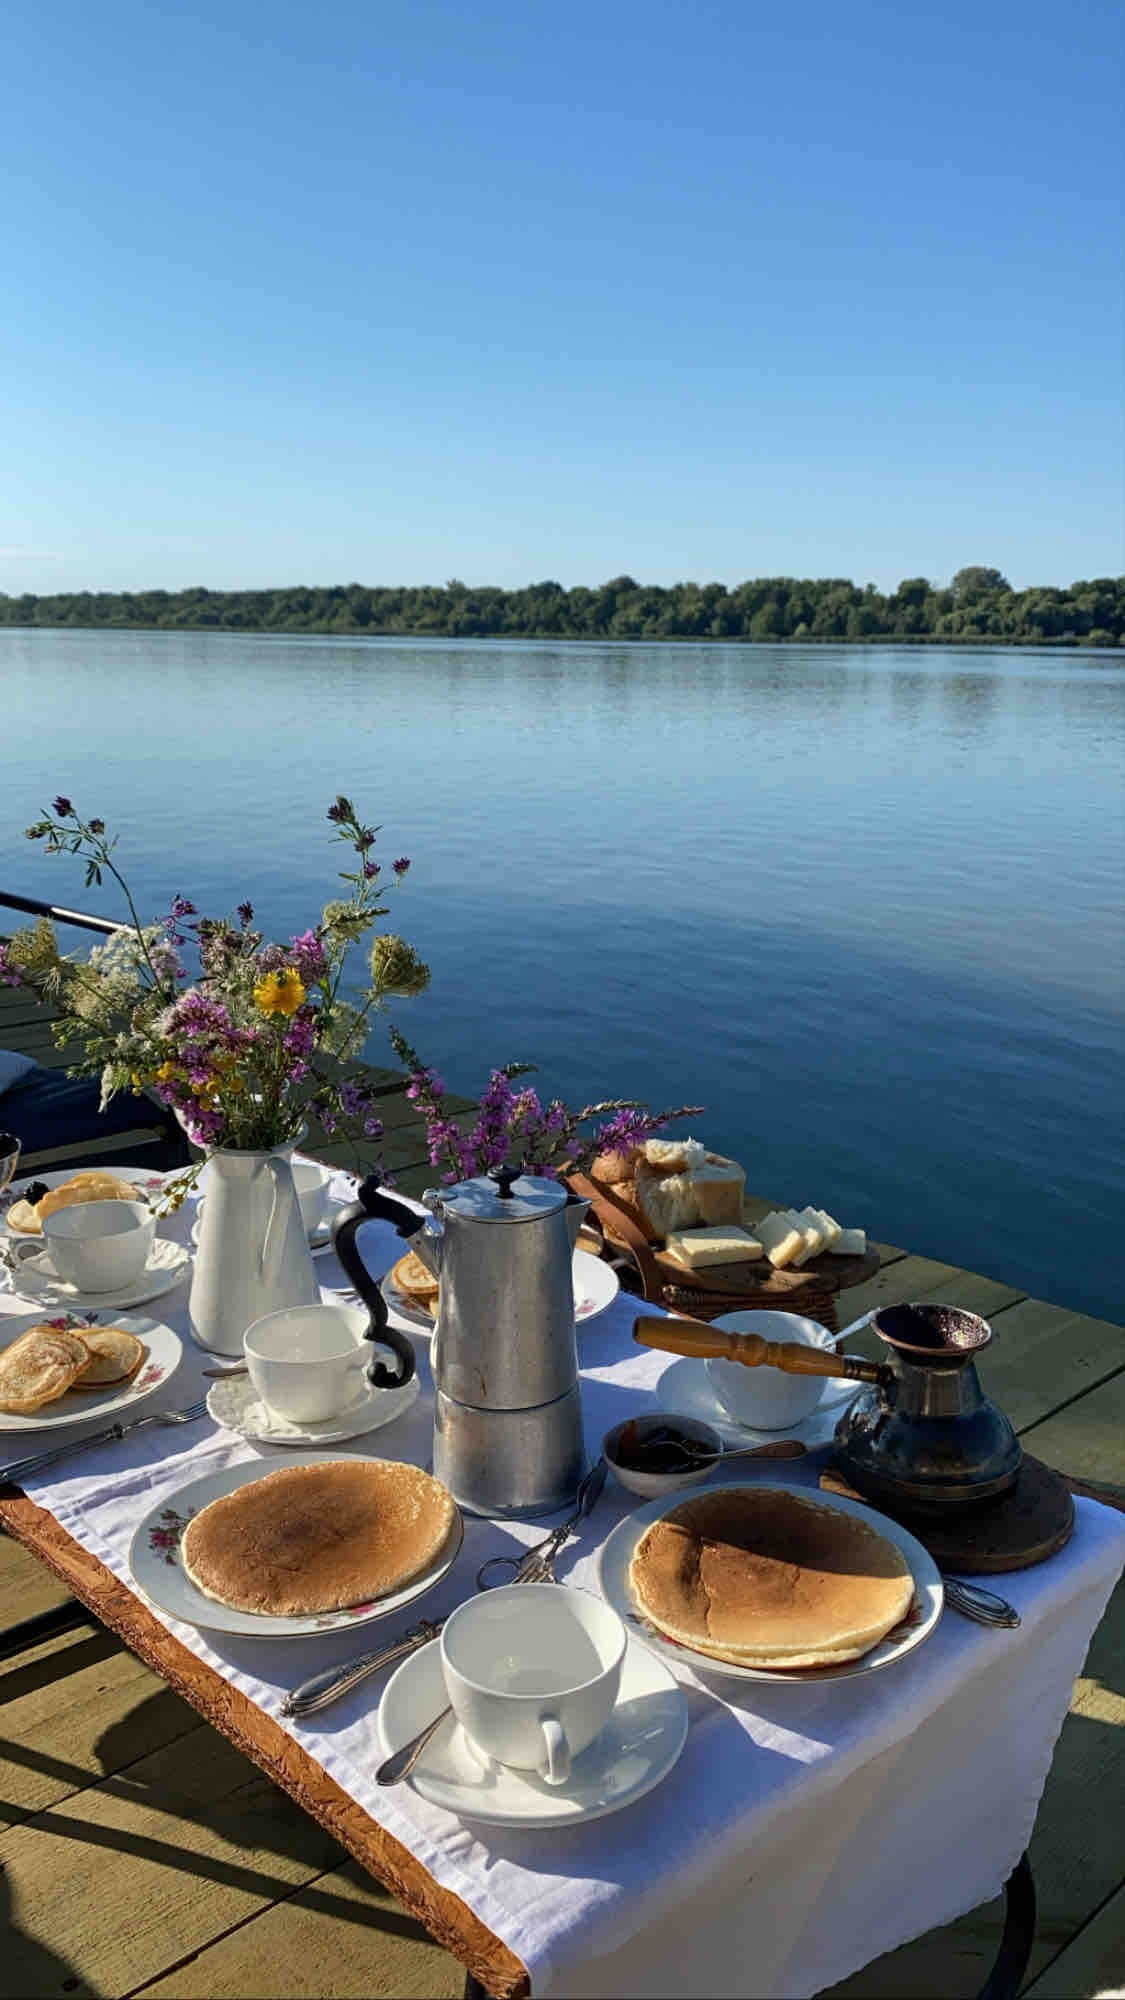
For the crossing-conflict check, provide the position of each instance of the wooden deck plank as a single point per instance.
(340, 1938)
(1093, 1963)
(27, 1587)
(72, 1711)
(125, 1879)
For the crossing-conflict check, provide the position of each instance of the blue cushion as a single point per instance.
(51, 1109)
(14, 1068)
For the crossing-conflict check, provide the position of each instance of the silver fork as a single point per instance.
(111, 1434)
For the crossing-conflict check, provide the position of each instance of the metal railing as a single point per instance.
(32, 907)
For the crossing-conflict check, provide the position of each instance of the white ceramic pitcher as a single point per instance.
(253, 1256)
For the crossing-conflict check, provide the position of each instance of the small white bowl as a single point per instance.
(765, 1399)
(651, 1485)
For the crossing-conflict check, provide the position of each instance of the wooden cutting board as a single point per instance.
(731, 1285)
(1020, 1529)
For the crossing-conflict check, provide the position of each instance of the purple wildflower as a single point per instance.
(182, 908)
(309, 954)
(246, 915)
(401, 865)
(61, 807)
(8, 973)
(370, 870)
(341, 811)
(97, 826)
(365, 838)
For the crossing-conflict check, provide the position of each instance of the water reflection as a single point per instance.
(858, 900)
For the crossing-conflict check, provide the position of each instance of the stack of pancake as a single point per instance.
(27, 1217)
(315, 1538)
(766, 1578)
(416, 1282)
(47, 1360)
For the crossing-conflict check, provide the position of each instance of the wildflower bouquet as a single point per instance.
(249, 1048)
(514, 1125)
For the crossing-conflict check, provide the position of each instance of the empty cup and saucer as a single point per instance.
(306, 1380)
(97, 1253)
(559, 1714)
(753, 1405)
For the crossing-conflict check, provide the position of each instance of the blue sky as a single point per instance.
(399, 292)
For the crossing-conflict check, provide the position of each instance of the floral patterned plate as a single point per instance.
(142, 1178)
(154, 1561)
(161, 1360)
(616, 1556)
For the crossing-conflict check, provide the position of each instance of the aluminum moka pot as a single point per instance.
(507, 1409)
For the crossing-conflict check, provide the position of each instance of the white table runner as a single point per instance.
(805, 1830)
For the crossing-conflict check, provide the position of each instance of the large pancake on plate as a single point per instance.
(318, 1537)
(769, 1579)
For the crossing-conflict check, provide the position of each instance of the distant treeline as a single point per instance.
(978, 606)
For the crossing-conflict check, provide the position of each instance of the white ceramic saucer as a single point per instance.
(685, 1390)
(237, 1405)
(35, 1278)
(644, 1737)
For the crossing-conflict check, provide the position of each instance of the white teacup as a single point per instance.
(312, 1182)
(532, 1672)
(100, 1246)
(309, 1362)
(765, 1399)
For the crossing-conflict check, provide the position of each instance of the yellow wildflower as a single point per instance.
(280, 992)
(167, 1072)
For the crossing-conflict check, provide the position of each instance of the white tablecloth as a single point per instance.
(805, 1829)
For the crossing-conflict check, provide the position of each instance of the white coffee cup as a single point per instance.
(100, 1246)
(309, 1362)
(312, 1182)
(766, 1399)
(532, 1672)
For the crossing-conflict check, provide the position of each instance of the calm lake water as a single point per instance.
(863, 903)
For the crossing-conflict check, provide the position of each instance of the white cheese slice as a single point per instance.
(780, 1238)
(726, 1245)
(816, 1237)
(850, 1243)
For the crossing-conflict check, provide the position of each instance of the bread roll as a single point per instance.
(673, 1156)
(719, 1185)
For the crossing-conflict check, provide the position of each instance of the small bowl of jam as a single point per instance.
(657, 1454)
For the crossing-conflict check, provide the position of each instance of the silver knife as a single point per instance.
(320, 1689)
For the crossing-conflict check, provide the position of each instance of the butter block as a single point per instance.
(699, 1247)
(850, 1243)
(830, 1229)
(780, 1238)
(816, 1239)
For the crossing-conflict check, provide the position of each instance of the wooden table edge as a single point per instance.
(448, 1920)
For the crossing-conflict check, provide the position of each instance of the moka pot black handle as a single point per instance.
(372, 1202)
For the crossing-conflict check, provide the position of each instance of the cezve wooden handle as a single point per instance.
(695, 1337)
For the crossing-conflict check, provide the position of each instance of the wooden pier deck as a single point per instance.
(141, 1854)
